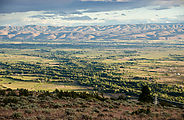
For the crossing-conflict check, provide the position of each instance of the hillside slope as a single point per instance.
(24, 105)
(84, 33)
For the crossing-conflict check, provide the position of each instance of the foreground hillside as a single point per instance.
(24, 105)
(85, 33)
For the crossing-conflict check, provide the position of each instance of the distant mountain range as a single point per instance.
(87, 33)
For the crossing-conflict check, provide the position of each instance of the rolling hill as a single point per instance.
(87, 33)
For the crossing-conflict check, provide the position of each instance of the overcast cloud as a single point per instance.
(100, 5)
(89, 12)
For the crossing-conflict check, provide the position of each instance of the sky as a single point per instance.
(90, 12)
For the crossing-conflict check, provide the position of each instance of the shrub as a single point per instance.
(122, 97)
(165, 114)
(163, 103)
(11, 93)
(28, 111)
(110, 106)
(56, 91)
(182, 115)
(101, 115)
(14, 106)
(2, 92)
(139, 111)
(32, 105)
(8, 89)
(142, 114)
(56, 105)
(47, 111)
(126, 112)
(45, 94)
(24, 92)
(96, 110)
(80, 110)
(86, 117)
(71, 117)
(84, 106)
(16, 115)
(41, 117)
(69, 111)
(32, 99)
(105, 110)
(10, 99)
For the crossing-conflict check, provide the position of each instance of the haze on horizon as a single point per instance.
(90, 12)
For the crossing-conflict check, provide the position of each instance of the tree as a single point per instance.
(145, 95)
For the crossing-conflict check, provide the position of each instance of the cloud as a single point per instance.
(98, 0)
(76, 12)
(78, 18)
(180, 18)
(132, 17)
(8, 6)
(161, 7)
(89, 12)
(108, 0)
(38, 16)
(167, 3)
(59, 13)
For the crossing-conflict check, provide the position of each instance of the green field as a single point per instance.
(36, 86)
